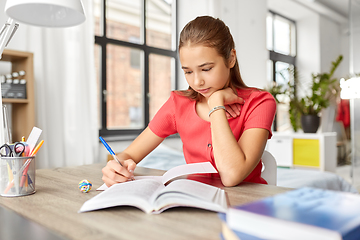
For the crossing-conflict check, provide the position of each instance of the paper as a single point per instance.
(33, 138)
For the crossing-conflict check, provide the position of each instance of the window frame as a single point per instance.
(280, 57)
(103, 41)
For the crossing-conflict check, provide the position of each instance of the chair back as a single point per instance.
(269, 169)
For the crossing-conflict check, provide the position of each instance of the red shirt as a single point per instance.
(343, 112)
(178, 115)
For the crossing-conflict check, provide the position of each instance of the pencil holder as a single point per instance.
(17, 176)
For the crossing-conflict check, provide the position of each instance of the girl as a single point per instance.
(219, 118)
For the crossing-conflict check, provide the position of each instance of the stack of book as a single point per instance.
(305, 213)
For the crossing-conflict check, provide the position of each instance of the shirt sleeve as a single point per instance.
(164, 123)
(261, 112)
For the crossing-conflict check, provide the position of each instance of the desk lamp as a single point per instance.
(350, 89)
(43, 13)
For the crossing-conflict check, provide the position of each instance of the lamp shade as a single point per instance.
(46, 13)
(350, 89)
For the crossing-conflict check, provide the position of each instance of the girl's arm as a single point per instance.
(133, 154)
(235, 160)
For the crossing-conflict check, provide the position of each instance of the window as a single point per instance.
(135, 55)
(281, 43)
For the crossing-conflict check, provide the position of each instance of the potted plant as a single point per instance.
(304, 111)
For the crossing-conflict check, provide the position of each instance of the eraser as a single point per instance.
(85, 186)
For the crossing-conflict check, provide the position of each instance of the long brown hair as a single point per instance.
(211, 32)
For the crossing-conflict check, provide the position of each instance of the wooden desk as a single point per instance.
(57, 200)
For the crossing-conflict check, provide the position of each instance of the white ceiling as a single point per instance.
(339, 6)
(336, 10)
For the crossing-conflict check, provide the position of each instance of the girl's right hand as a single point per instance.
(114, 173)
(233, 110)
(229, 99)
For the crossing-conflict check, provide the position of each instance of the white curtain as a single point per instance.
(65, 92)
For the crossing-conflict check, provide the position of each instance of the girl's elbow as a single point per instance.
(233, 176)
(226, 184)
(230, 181)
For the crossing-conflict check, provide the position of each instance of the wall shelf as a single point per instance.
(23, 110)
(14, 100)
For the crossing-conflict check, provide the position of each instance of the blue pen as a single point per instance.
(110, 150)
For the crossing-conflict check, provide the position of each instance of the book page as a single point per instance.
(157, 178)
(204, 167)
(133, 193)
(192, 168)
(185, 192)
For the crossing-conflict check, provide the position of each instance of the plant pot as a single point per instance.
(310, 123)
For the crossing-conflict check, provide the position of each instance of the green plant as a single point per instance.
(275, 90)
(322, 89)
(294, 106)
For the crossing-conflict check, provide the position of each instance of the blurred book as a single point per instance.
(305, 213)
(230, 234)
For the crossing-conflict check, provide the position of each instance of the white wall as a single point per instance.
(331, 46)
(247, 21)
(308, 58)
(345, 50)
(355, 37)
(330, 42)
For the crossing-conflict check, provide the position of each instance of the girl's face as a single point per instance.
(205, 70)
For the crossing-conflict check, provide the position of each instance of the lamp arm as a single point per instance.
(6, 33)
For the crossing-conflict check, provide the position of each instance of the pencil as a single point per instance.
(36, 149)
(11, 177)
(26, 183)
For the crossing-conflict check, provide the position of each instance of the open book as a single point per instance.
(149, 193)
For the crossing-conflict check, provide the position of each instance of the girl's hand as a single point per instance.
(233, 110)
(114, 173)
(226, 97)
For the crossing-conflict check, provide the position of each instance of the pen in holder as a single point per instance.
(17, 176)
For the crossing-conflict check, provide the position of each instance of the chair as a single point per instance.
(269, 169)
